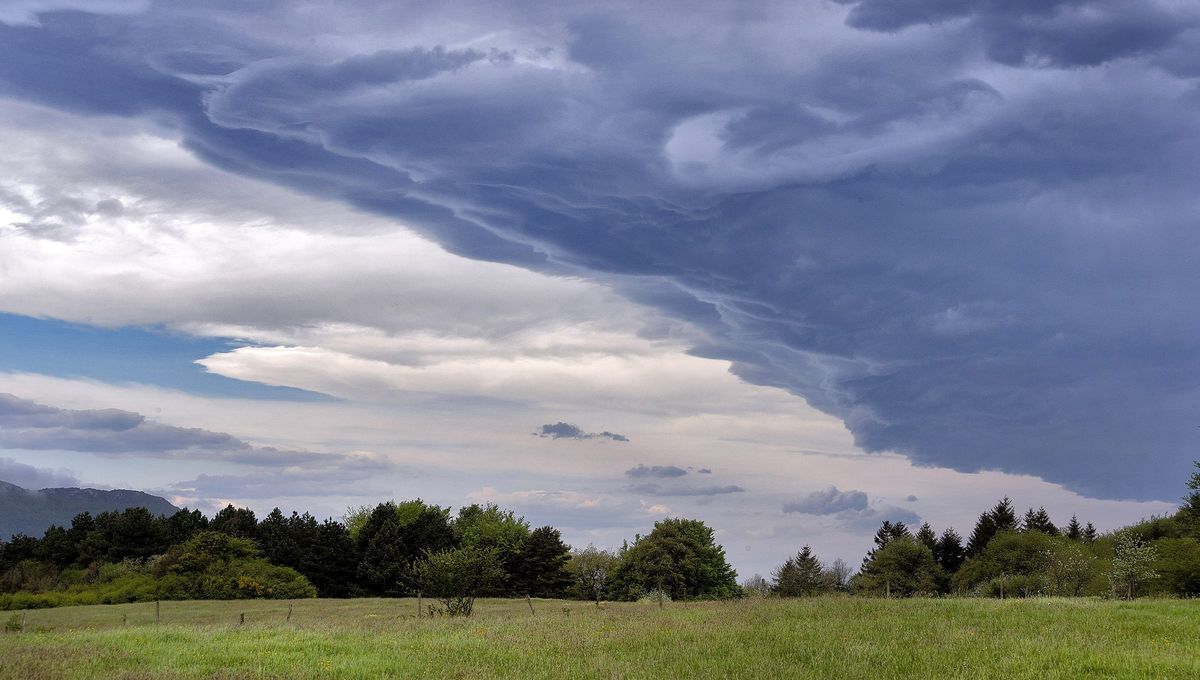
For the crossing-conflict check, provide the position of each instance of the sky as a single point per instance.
(792, 268)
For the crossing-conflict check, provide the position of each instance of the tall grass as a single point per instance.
(816, 638)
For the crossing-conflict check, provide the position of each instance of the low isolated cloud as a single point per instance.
(658, 471)
(561, 430)
(851, 509)
(31, 477)
(828, 501)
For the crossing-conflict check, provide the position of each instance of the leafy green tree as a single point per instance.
(799, 576)
(591, 569)
(902, 567)
(456, 577)
(1178, 566)
(490, 528)
(542, 564)
(1010, 565)
(949, 551)
(216, 566)
(679, 558)
(1069, 567)
(1132, 564)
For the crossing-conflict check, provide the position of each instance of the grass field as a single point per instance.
(815, 638)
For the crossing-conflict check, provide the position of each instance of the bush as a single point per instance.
(456, 577)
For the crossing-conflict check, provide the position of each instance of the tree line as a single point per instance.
(394, 549)
(1007, 555)
(398, 549)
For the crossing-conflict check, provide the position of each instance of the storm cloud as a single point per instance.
(966, 228)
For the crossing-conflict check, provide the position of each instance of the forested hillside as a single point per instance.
(25, 511)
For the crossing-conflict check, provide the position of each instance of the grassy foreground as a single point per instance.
(818, 638)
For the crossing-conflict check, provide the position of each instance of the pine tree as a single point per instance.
(1003, 515)
(926, 537)
(542, 564)
(1074, 529)
(949, 551)
(237, 522)
(799, 576)
(1191, 502)
(887, 533)
(1089, 533)
(985, 529)
(1039, 520)
(1000, 518)
(383, 568)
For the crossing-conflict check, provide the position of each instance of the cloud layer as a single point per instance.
(964, 228)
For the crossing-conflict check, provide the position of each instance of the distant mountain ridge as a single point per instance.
(23, 511)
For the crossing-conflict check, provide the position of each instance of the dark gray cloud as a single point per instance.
(704, 471)
(683, 489)
(1040, 32)
(977, 268)
(828, 501)
(28, 425)
(910, 498)
(30, 477)
(561, 430)
(659, 471)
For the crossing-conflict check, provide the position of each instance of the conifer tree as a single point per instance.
(1074, 530)
(985, 529)
(1003, 515)
(1191, 502)
(949, 551)
(799, 576)
(1039, 520)
(1000, 518)
(1089, 533)
(542, 564)
(926, 537)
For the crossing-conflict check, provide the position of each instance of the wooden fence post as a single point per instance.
(530, 603)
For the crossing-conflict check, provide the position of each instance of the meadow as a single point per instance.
(824, 637)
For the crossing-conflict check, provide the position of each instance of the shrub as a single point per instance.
(456, 577)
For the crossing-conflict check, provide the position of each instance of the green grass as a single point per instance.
(815, 638)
